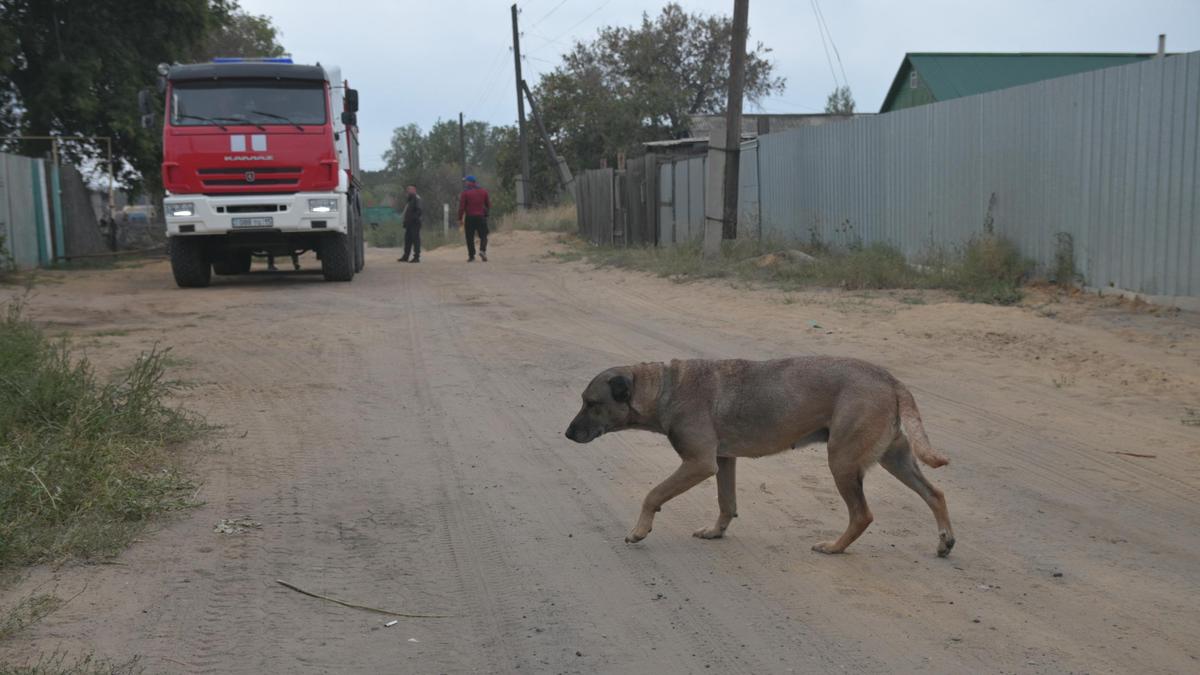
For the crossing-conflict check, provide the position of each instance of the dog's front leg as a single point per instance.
(726, 498)
(690, 473)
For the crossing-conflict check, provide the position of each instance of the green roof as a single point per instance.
(951, 75)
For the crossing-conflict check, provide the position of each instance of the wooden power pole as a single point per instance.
(523, 182)
(733, 117)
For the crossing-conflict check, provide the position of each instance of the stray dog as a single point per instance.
(716, 411)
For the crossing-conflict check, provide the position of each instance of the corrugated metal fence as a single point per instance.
(24, 210)
(1106, 160)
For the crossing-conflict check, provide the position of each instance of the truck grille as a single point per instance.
(273, 176)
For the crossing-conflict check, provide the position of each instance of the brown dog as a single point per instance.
(716, 411)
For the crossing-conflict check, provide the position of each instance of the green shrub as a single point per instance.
(83, 462)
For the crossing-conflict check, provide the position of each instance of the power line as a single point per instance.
(579, 23)
(547, 15)
(824, 43)
(821, 15)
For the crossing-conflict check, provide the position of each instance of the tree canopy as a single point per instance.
(840, 102)
(430, 160)
(641, 83)
(74, 67)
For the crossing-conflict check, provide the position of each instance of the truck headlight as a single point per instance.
(181, 209)
(322, 205)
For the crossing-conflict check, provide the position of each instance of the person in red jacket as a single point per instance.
(473, 207)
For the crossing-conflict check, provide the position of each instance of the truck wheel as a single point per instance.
(233, 262)
(360, 250)
(337, 257)
(189, 262)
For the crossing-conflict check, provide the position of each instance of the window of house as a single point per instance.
(912, 80)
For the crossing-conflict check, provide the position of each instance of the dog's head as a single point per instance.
(607, 406)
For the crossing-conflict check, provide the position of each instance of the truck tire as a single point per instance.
(233, 262)
(337, 257)
(189, 262)
(358, 236)
(360, 250)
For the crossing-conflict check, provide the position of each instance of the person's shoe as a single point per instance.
(404, 259)
(471, 259)
(483, 256)
(415, 260)
(296, 266)
(272, 268)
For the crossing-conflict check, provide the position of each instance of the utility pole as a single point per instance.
(733, 117)
(523, 181)
(462, 148)
(560, 165)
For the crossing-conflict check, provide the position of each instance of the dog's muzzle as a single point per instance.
(580, 436)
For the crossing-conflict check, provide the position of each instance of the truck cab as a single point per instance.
(260, 157)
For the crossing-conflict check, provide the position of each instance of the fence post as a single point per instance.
(445, 221)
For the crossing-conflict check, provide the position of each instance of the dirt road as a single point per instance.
(400, 440)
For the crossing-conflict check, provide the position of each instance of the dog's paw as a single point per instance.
(945, 543)
(635, 536)
(709, 533)
(827, 547)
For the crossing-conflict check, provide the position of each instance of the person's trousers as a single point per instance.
(476, 225)
(412, 241)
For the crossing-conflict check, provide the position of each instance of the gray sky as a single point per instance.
(420, 61)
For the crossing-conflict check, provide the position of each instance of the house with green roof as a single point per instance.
(929, 77)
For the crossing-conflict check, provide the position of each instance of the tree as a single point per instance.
(74, 67)
(240, 33)
(430, 160)
(641, 83)
(840, 102)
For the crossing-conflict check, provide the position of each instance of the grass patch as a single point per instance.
(559, 218)
(986, 269)
(83, 462)
(59, 663)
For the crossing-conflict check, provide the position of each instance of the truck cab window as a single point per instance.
(260, 103)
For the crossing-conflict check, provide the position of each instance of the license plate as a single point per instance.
(257, 221)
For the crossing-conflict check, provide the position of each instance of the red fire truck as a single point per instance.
(260, 157)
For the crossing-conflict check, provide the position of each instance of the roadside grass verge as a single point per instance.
(84, 462)
(559, 218)
(986, 269)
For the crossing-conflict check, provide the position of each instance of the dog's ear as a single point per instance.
(622, 388)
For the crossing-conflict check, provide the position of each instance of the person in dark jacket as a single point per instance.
(473, 207)
(412, 226)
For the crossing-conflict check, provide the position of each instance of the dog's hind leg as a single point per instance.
(899, 462)
(726, 498)
(849, 484)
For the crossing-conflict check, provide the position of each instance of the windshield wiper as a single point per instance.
(243, 118)
(279, 117)
(210, 120)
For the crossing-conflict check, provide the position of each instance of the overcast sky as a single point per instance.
(420, 61)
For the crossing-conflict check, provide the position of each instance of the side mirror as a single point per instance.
(351, 99)
(349, 119)
(161, 84)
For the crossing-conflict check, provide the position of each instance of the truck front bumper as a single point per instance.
(217, 214)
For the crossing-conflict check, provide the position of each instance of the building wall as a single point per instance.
(908, 96)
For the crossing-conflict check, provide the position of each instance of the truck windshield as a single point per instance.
(250, 102)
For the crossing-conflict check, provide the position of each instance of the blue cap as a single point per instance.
(469, 179)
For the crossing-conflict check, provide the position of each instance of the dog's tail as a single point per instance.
(914, 430)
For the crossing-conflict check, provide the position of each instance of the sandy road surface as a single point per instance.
(400, 439)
